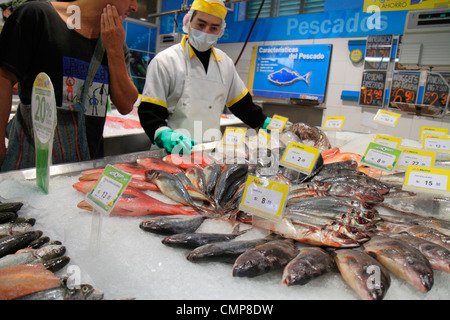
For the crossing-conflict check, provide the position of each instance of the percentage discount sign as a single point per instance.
(43, 109)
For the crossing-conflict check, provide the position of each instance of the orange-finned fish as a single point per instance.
(17, 281)
(342, 156)
(85, 185)
(202, 158)
(157, 164)
(181, 161)
(330, 153)
(135, 203)
(136, 172)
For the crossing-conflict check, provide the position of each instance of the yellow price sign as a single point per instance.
(264, 198)
(436, 142)
(415, 157)
(391, 142)
(425, 179)
(432, 130)
(277, 123)
(300, 157)
(233, 136)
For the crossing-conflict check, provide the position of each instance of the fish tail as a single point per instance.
(306, 77)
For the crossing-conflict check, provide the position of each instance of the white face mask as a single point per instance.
(202, 41)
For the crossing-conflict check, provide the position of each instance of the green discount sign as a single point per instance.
(43, 110)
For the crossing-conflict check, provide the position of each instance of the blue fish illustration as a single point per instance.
(287, 77)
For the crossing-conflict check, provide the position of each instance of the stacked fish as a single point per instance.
(331, 220)
(28, 261)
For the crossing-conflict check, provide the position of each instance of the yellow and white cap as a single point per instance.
(214, 7)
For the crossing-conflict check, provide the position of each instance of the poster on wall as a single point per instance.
(372, 88)
(297, 71)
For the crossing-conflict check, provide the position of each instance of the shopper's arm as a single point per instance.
(123, 92)
(7, 81)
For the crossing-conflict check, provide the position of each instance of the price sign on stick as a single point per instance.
(380, 156)
(387, 118)
(233, 136)
(427, 179)
(388, 141)
(333, 123)
(264, 198)
(277, 123)
(436, 142)
(414, 157)
(43, 110)
(432, 130)
(300, 157)
(108, 189)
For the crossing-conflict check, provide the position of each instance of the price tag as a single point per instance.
(387, 141)
(387, 118)
(264, 198)
(427, 179)
(414, 157)
(380, 156)
(333, 123)
(277, 123)
(233, 137)
(300, 157)
(108, 189)
(263, 138)
(436, 142)
(431, 130)
(43, 110)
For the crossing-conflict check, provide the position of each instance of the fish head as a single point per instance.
(85, 292)
(151, 175)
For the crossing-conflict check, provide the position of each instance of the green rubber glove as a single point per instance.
(266, 122)
(170, 140)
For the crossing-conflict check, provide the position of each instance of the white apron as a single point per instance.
(200, 106)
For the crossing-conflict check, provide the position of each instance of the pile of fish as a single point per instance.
(331, 220)
(29, 261)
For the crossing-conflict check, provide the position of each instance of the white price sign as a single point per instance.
(300, 157)
(264, 198)
(413, 157)
(233, 136)
(333, 123)
(436, 142)
(387, 118)
(108, 189)
(277, 123)
(427, 179)
(381, 156)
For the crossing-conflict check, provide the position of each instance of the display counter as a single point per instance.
(114, 255)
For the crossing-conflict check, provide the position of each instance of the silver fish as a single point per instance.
(84, 292)
(197, 178)
(227, 177)
(194, 192)
(308, 264)
(170, 186)
(15, 227)
(32, 256)
(193, 240)
(169, 225)
(212, 173)
(365, 275)
(264, 258)
(438, 256)
(403, 260)
(419, 231)
(225, 251)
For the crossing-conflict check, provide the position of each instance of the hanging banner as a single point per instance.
(297, 71)
(394, 5)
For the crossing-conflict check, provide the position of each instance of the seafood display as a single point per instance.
(29, 262)
(333, 211)
(343, 221)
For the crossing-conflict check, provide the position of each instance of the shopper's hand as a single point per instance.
(112, 30)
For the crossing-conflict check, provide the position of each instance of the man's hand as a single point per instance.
(112, 31)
